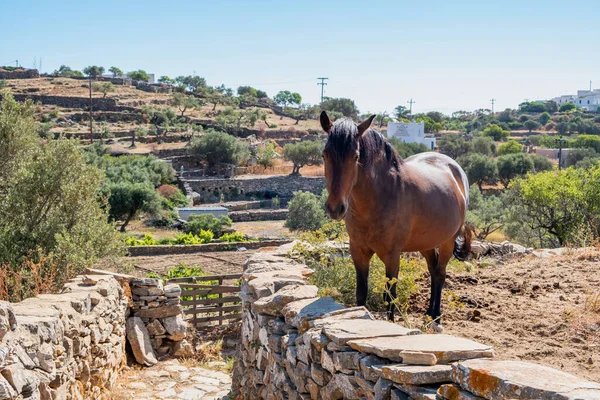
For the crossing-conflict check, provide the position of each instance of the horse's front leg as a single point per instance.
(361, 256)
(392, 265)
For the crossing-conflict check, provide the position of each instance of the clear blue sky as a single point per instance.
(446, 55)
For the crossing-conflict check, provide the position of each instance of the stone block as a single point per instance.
(492, 379)
(176, 327)
(446, 348)
(368, 388)
(383, 389)
(159, 312)
(413, 392)
(299, 313)
(348, 386)
(418, 358)
(273, 304)
(370, 367)
(346, 361)
(417, 374)
(139, 339)
(155, 328)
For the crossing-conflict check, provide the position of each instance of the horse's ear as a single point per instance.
(363, 126)
(325, 122)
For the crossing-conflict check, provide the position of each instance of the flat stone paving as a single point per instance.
(172, 380)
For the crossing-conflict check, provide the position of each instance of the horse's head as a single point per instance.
(341, 157)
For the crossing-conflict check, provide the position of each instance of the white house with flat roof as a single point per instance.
(411, 132)
(588, 100)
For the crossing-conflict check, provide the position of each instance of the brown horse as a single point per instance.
(392, 205)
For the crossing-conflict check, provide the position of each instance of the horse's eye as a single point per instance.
(356, 157)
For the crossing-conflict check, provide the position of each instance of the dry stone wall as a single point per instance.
(65, 346)
(295, 345)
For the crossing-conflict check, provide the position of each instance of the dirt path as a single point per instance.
(172, 380)
(541, 310)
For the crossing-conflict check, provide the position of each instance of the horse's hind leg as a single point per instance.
(392, 265)
(438, 277)
(432, 262)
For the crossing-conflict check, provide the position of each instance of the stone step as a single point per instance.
(417, 374)
(492, 379)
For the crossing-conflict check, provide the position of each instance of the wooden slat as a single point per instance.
(192, 279)
(206, 292)
(211, 319)
(205, 310)
(230, 299)
(204, 286)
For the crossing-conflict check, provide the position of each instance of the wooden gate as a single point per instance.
(210, 300)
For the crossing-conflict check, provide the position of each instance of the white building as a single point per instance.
(186, 212)
(411, 132)
(588, 100)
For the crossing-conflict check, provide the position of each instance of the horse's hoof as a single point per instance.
(437, 328)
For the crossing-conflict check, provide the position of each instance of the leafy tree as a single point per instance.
(306, 152)
(285, 97)
(531, 125)
(541, 163)
(139, 75)
(505, 116)
(511, 166)
(510, 147)
(544, 118)
(586, 141)
(487, 214)
(219, 95)
(577, 155)
(303, 112)
(382, 119)
(192, 83)
(533, 107)
(166, 80)
(567, 107)
(218, 147)
(93, 71)
(430, 124)
(401, 112)
(183, 102)
(50, 211)
(247, 90)
(344, 106)
(128, 199)
(454, 146)
(480, 169)
(115, 71)
(67, 72)
(496, 132)
(435, 116)
(306, 212)
(484, 145)
(265, 153)
(207, 222)
(406, 150)
(261, 94)
(104, 87)
(562, 128)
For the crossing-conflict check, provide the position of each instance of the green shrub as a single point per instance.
(306, 212)
(233, 237)
(148, 240)
(206, 222)
(189, 238)
(165, 218)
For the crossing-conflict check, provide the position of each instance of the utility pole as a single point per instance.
(411, 102)
(91, 119)
(17, 63)
(492, 100)
(322, 83)
(560, 143)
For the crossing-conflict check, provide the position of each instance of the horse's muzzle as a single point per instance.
(336, 213)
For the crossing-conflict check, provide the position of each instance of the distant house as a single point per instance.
(186, 212)
(552, 154)
(411, 132)
(588, 100)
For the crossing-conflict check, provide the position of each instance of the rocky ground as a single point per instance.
(544, 310)
(172, 380)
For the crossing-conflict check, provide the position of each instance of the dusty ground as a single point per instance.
(541, 310)
(263, 229)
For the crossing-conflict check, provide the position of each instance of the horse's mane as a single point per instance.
(372, 144)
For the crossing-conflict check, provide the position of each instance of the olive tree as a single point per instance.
(215, 147)
(306, 152)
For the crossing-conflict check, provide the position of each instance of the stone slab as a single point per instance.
(159, 312)
(492, 379)
(446, 348)
(418, 358)
(273, 304)
(417, 374)
(452, 391)
(419, 392)
(341, 332)
(300, 313)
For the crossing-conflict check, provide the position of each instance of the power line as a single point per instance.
(322, 83)
(411, 102)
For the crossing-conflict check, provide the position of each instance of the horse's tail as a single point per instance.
(462, 244)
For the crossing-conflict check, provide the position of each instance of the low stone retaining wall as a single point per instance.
(159, 250)
(21, 73)
(99, 104)
(297, 346)
(258, 215)
(66, 346)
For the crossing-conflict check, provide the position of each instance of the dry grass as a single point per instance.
(41, 277)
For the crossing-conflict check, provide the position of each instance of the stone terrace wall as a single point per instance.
(65, 346)
(297, 346)
(284, 186)
(20, 74)
(99, 104)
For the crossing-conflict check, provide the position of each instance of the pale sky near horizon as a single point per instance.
(446, 55)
